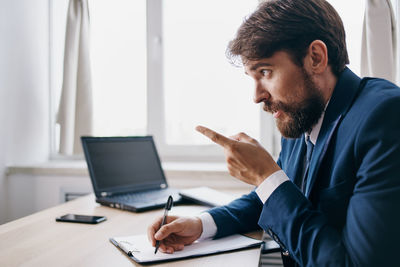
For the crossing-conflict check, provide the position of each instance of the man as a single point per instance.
(333, 196)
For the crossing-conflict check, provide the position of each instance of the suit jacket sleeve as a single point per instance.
(239, 216)
(371, 232)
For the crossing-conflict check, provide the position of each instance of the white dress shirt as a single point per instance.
(264, 190)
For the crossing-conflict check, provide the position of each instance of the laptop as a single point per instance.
(126, 172)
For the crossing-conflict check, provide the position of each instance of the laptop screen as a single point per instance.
(123, 164)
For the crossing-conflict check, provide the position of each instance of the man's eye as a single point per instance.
(265, 72)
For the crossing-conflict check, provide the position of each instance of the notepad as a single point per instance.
(139, 249)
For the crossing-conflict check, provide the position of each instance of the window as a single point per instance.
(118, 64)
(200, 85)
(159, 68)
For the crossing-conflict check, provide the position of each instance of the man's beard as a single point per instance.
(302, 116)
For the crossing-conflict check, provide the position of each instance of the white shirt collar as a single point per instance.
(316, 128)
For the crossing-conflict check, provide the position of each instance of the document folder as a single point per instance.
(140, 250)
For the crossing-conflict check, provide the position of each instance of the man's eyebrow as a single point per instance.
(261, 64)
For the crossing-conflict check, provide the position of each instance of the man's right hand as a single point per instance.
(175, 233)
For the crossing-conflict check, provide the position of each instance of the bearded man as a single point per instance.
(332, 197)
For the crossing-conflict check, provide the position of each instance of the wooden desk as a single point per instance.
(38, 240)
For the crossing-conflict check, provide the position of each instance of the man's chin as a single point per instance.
(287, 129)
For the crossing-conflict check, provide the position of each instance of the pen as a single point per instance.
(168, 207)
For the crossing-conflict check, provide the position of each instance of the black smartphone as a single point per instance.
(81, 218)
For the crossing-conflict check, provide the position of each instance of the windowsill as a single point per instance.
(79, 168)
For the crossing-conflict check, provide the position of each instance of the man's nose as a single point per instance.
(261, 94)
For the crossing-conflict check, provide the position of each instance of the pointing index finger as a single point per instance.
(214, 136)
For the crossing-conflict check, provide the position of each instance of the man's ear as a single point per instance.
(316, 60)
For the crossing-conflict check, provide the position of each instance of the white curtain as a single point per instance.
(378, 51)
(75, 110)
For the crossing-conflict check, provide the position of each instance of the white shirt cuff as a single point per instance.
(266, 188)
(209, 226)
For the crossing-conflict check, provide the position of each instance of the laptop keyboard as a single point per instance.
(155, 196)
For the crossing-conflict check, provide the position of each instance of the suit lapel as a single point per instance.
(341, 100)
(319, 153)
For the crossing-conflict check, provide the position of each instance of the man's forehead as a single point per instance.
(276, 59)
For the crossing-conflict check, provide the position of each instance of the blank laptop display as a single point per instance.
(126, 172)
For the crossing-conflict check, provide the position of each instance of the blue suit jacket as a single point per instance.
(350, 212)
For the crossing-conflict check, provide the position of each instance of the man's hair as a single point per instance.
(290, 26)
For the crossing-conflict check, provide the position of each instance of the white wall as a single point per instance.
(24, 89)
(41, 191)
